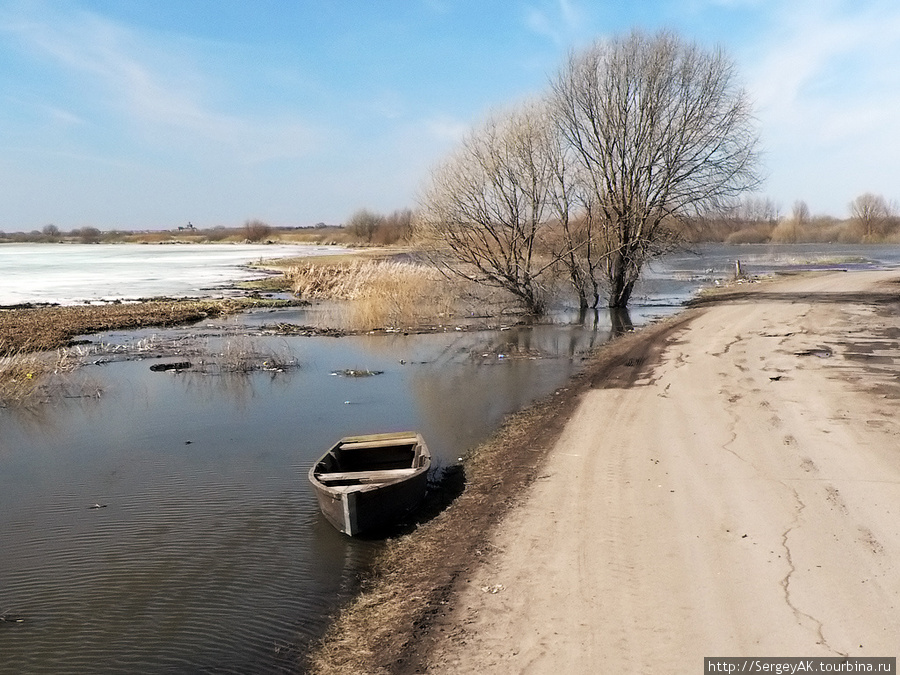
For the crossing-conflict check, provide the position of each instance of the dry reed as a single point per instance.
(28, 376)
(380, 294)
(243, 355)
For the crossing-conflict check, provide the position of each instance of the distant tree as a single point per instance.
(662, 132)
(871, 213)
(390, 229)
(87, 235)
(51, 232)
(256, 230)
(364, 223)
(800, 213)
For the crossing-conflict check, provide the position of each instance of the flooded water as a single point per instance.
(162, 522)
(72, 273)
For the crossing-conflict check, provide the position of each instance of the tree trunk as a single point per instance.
(532, 301)
(620, 295)
(621, 281)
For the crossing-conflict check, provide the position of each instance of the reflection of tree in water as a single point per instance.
(620, 320)
(239, 386)
(463, 404)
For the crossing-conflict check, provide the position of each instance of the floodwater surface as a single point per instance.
(167, 525)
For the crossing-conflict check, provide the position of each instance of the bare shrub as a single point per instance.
(364, 223)
(87, 235)
(788, 231)
(756, 234)
(398, 226)
(256, 230)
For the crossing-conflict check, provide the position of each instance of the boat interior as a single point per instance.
(356, 462)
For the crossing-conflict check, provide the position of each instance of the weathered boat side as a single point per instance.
(369, 482)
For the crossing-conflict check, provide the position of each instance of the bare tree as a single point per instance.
(793, 229)
(661, 132)
(51, 233)
(800, 213)
(256, 230)
(576, 248)
(364, 223)
(487, 206)
(871, 213)
(87, 235)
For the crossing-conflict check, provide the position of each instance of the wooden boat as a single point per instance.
(366, 483)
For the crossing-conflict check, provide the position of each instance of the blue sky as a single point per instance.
(137, 114)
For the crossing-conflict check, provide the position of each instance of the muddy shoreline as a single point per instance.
(388, 627)
(41, 328)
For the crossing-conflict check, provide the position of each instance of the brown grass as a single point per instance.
(381, 294)
(44, 328)
(26, 376)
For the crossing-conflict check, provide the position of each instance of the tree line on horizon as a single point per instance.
(754, 220)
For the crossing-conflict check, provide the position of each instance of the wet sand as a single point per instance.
(733, 492)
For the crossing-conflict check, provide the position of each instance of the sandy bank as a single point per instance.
(738, 495)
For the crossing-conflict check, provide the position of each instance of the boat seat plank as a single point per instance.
(365, 476)
(364, 445)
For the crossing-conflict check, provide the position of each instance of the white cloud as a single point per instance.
(826, 81)
(559, 21)
(64, 118)
(154, 87)
(446, 129)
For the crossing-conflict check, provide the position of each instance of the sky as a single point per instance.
(148, 114)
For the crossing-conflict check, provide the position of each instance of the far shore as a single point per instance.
(720, 483)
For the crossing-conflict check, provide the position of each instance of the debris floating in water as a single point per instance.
(179, 365)
(352, 372)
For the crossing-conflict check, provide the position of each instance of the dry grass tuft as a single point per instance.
(381, 294)
(27, 376)
(243, 355)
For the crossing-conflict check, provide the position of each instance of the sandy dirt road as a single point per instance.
(739, 496)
